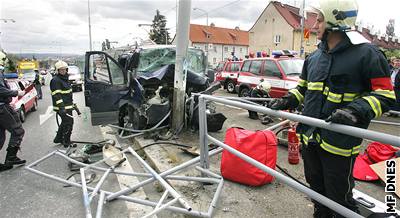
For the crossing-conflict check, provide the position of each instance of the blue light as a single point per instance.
(278, 53)
(11, 75)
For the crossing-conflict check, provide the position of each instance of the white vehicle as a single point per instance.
(74, 76)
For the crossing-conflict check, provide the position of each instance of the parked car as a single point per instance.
(137, 89)
(228, 75)
(26, 103)
(29, 76)
(74, 76)
(282, 70)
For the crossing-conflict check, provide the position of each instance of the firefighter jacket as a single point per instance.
(352, 76)
(6, 93)
(61, 93)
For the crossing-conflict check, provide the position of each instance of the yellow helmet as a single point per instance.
(339, 15)
(264, 86)
(60, 64)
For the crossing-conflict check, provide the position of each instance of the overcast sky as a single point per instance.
(61, 26)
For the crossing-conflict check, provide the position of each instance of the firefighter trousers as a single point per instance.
(65, 128)
(330, 175)
(9, 120)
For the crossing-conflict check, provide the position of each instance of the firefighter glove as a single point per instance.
(279, 104)
(344, 116)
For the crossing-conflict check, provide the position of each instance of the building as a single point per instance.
(219, 43)
(278, 27)
(380, 41)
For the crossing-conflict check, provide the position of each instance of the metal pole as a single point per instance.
(302, 29)
(86, 201)
(90, 27)
(348, 130)
(314, 195)
(182, 41)
(100, 204)
(203, 134)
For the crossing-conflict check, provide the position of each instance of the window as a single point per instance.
(270, 68)
(246, 66)
(117, 76)
(226, 49)
(228, 67)
(98, 68)
(255, 67)
(215, 48)
(277, 39)
(240, 50)
(235, 67)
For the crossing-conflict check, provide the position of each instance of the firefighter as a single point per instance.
(38, 84)
(346, 80)
(9, 121)
(61, 93)
(260, 91)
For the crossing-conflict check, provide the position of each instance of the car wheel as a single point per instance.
(230, 86)
(22, 114)
(35, 105)
(244, 92)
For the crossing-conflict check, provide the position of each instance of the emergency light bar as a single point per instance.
(10, 75)
(278, 53)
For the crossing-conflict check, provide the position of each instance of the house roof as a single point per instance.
(379, 41)
(218, 35)
(292, 15)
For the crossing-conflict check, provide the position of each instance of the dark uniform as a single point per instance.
(38, 85)
(349, 77)
(256, 93)
(61, 93)
(9, 120)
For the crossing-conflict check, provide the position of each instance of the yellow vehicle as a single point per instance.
(26, 69)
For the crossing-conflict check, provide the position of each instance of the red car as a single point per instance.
(282, 70)
(26, 103)
(228, 74)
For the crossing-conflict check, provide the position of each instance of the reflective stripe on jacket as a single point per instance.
(61, 93)
(354, 76)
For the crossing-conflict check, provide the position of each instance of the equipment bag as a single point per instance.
(259, 145)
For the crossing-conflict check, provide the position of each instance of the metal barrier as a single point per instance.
(349, 130)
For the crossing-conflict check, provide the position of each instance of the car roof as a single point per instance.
(275, 58)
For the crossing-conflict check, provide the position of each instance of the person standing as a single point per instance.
(347, 81)
(61, 93)
(9, 120)
(260, 91)
(37, 83)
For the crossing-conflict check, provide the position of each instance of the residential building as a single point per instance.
(278, 27)
(381, 41)
(219, 43)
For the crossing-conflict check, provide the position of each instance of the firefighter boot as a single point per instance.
(4, 167)
(59, 137)
(321, 211)
(11, 157)
(253, 115)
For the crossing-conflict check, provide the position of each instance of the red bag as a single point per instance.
(378, 152)
(260, 145)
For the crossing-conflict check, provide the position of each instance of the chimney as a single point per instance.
(237, 28)
(212, 25)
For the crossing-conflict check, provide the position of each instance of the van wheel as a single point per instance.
(244, 92)
(230, 86)
(35, 105)
(22, 114)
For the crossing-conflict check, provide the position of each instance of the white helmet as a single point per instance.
(339, 15)
(264, 86)
(3, 59)
(60, 64)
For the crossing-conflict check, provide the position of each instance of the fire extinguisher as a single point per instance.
(293, 147)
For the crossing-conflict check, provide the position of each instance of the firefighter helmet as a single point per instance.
(3, 59)
(339, 15)
(264, 86)
(60, 64)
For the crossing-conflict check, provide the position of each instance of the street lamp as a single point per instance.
(205, 12)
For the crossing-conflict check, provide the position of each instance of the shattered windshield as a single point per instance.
(153, 59)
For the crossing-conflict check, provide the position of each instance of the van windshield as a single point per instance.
(292, 67)
(151, 60)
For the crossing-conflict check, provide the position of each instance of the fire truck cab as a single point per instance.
(282, 70)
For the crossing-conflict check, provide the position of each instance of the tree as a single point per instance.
(159, 33)
(390, 28)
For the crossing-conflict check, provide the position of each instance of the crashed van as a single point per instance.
(134, 86)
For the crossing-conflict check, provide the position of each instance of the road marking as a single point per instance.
(134, 210)
(44, 117)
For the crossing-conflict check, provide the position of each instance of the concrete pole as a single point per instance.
(90, 27)
(182, 41)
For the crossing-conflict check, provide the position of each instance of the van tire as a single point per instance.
(244, 92)
(22, 114)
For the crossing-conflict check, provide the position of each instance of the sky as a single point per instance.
(61, 26)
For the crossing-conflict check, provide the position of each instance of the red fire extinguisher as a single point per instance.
(293, 147)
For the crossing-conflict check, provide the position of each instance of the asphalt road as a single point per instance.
(23, 194)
